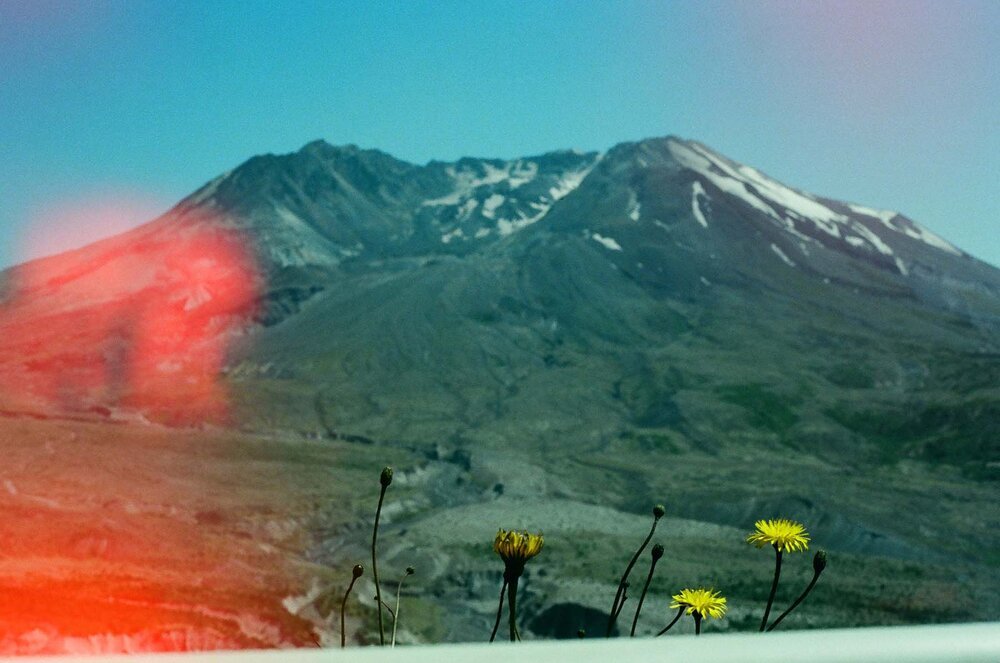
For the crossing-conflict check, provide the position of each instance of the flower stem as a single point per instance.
(621, 603)
(512, 607)
(343, 611)
(774, 588)
(697, 622)
(616, 606)
(378, 590)
(802, 597)
(395, 613)
(680, 611)
(642, 597)
(496, 624)
(387, 607)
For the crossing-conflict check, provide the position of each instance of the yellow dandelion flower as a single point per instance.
(705, 602)
(785, 535)
(517, 547)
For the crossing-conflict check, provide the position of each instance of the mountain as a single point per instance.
(660, 284)
(657, 322)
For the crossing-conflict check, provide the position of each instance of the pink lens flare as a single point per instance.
(136, 325)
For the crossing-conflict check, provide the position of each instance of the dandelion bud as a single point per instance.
(819, 562)
(581, 634)
(358, 570)
(658, 511)
(386, 478)
(410, 571)
(657, 552)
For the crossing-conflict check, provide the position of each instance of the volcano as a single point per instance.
(596, 330)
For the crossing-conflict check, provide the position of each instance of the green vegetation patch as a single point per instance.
(964, 434)
(766, 409)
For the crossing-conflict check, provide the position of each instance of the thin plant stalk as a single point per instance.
(774, 588)
(680, 612)
(658, 512)
(657, 554)
(395, 613)
(496, 625)
(620, 606)
(621, 603)
(388, 607)
(697, 622)
(819, 563)
(619, 595)
(794, 605)
(512, 608)
(385, 479)
(358, 570)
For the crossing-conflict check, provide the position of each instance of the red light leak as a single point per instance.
(138, 323)
(81, 220)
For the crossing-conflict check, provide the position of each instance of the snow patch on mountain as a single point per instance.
(800, 203)
(509, 226)
(606, 242)
(769, 196)
(881, 214)
(521, 173)
(781, 254)
(467, 208)
(892, 221)
(565, 185)
(872, 238)
(569, 182)
(756, 189)
(466, 181)
(927, 237)
(698, 190)
(491, 204)
(700, 164)
(634, 209)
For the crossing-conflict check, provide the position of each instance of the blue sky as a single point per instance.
(112, 111)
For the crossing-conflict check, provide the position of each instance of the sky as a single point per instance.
(112, 111)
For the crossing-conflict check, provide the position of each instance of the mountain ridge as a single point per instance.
(637, 247)
(552, 342)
